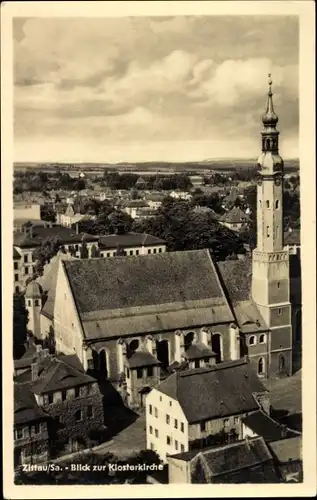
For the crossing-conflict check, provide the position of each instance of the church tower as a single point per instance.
(270, 273)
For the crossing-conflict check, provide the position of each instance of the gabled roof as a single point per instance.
(142, 358)
(292, 237)
(39, 233)
(234, 216)
(164, 291)
(248, 317)
(263, 425)
(198, 350)
(48, 282)
(129, 240)
(59, 373)
(135, 204)
(16, 255)
(216, 392)
(25, 406)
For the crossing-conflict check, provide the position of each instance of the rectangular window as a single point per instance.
(182, 448)
(167, 418)
(150, 371)
(78, 415)
(36, 429)
(182, 427)
(155, 413)
(170, 403)
(50, 398)
(139, 373)
(156, 433)
(33, 269)
(26, 270)
(150, 409)
(128, 374)
(16, 267)
(76, 248)
(131, 252)
(25, 258)
(197, 363)
(16, 277)
(151, 429)
(168, 440)
(279, 311)
(108, 254)
(175, 424)
(124, 252)
(64, 395)
(202, 426)
(76, 392)
(154, 250)
(160, 250)
(90, 411)
(176, 444)
(137, 252)
(149, 250)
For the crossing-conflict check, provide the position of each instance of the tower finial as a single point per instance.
(270, 118)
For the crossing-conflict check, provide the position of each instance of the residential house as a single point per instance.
(131, 244)
(247, 461)
(25, 243)
(180, 195)
(154, 200)
(196, 408)
(31, 439)
(131, 207)
(69, 218)
(235, 219)
(16, 270)
(67, 396)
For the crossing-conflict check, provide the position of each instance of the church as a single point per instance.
(136, 319)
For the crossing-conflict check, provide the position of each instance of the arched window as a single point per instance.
(260, 203)
(134, 344)
(281, 363)
(262, 338)
(261, 366)
(267, 203)
(267, 231)
(252, 340)
(277, 204)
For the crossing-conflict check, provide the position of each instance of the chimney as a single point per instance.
(34, 371)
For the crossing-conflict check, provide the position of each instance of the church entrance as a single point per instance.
(216, 346)
(162, 353)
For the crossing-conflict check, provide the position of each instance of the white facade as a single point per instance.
(137, 250)
(166, 425)
(27, 211)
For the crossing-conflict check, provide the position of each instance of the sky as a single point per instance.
(152, 88)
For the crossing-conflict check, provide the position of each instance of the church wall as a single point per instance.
(67, 326)
(274, 366)
(280, 316)
(281, 338)
(46, 325)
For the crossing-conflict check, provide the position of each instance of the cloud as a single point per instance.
(153, 79)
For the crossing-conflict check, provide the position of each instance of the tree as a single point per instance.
(120, 251)
(43, 254)
(20, 321)
(119, 222)
(48, 213)
(95, 252)
(84, 254)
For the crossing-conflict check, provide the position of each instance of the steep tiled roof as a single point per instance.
(286, 450)
(292, 237)
(129, 240)
(48, 282)
(123, 282)
(16, 255)
(142, 358)
(234, 216)
(197, 351)
(39, 234)
(25, 406)
(248, 317)
(263, 425)
(56, 373)
(215, 392)
(236, 276)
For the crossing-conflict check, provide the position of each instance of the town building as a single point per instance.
(131, 207)
(145, 213)
(236, 219)
(248, 461)
(198, 407)
(196, 180)
(65, 397)
(16, 270)
(154, 200)
(31, 439)
(131, 244)
(25, 243)
(69, 217)
(181, 195)
(26, 211)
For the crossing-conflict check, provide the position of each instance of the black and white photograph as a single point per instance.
(157, 243)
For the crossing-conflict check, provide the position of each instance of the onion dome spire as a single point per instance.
(270, 119)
